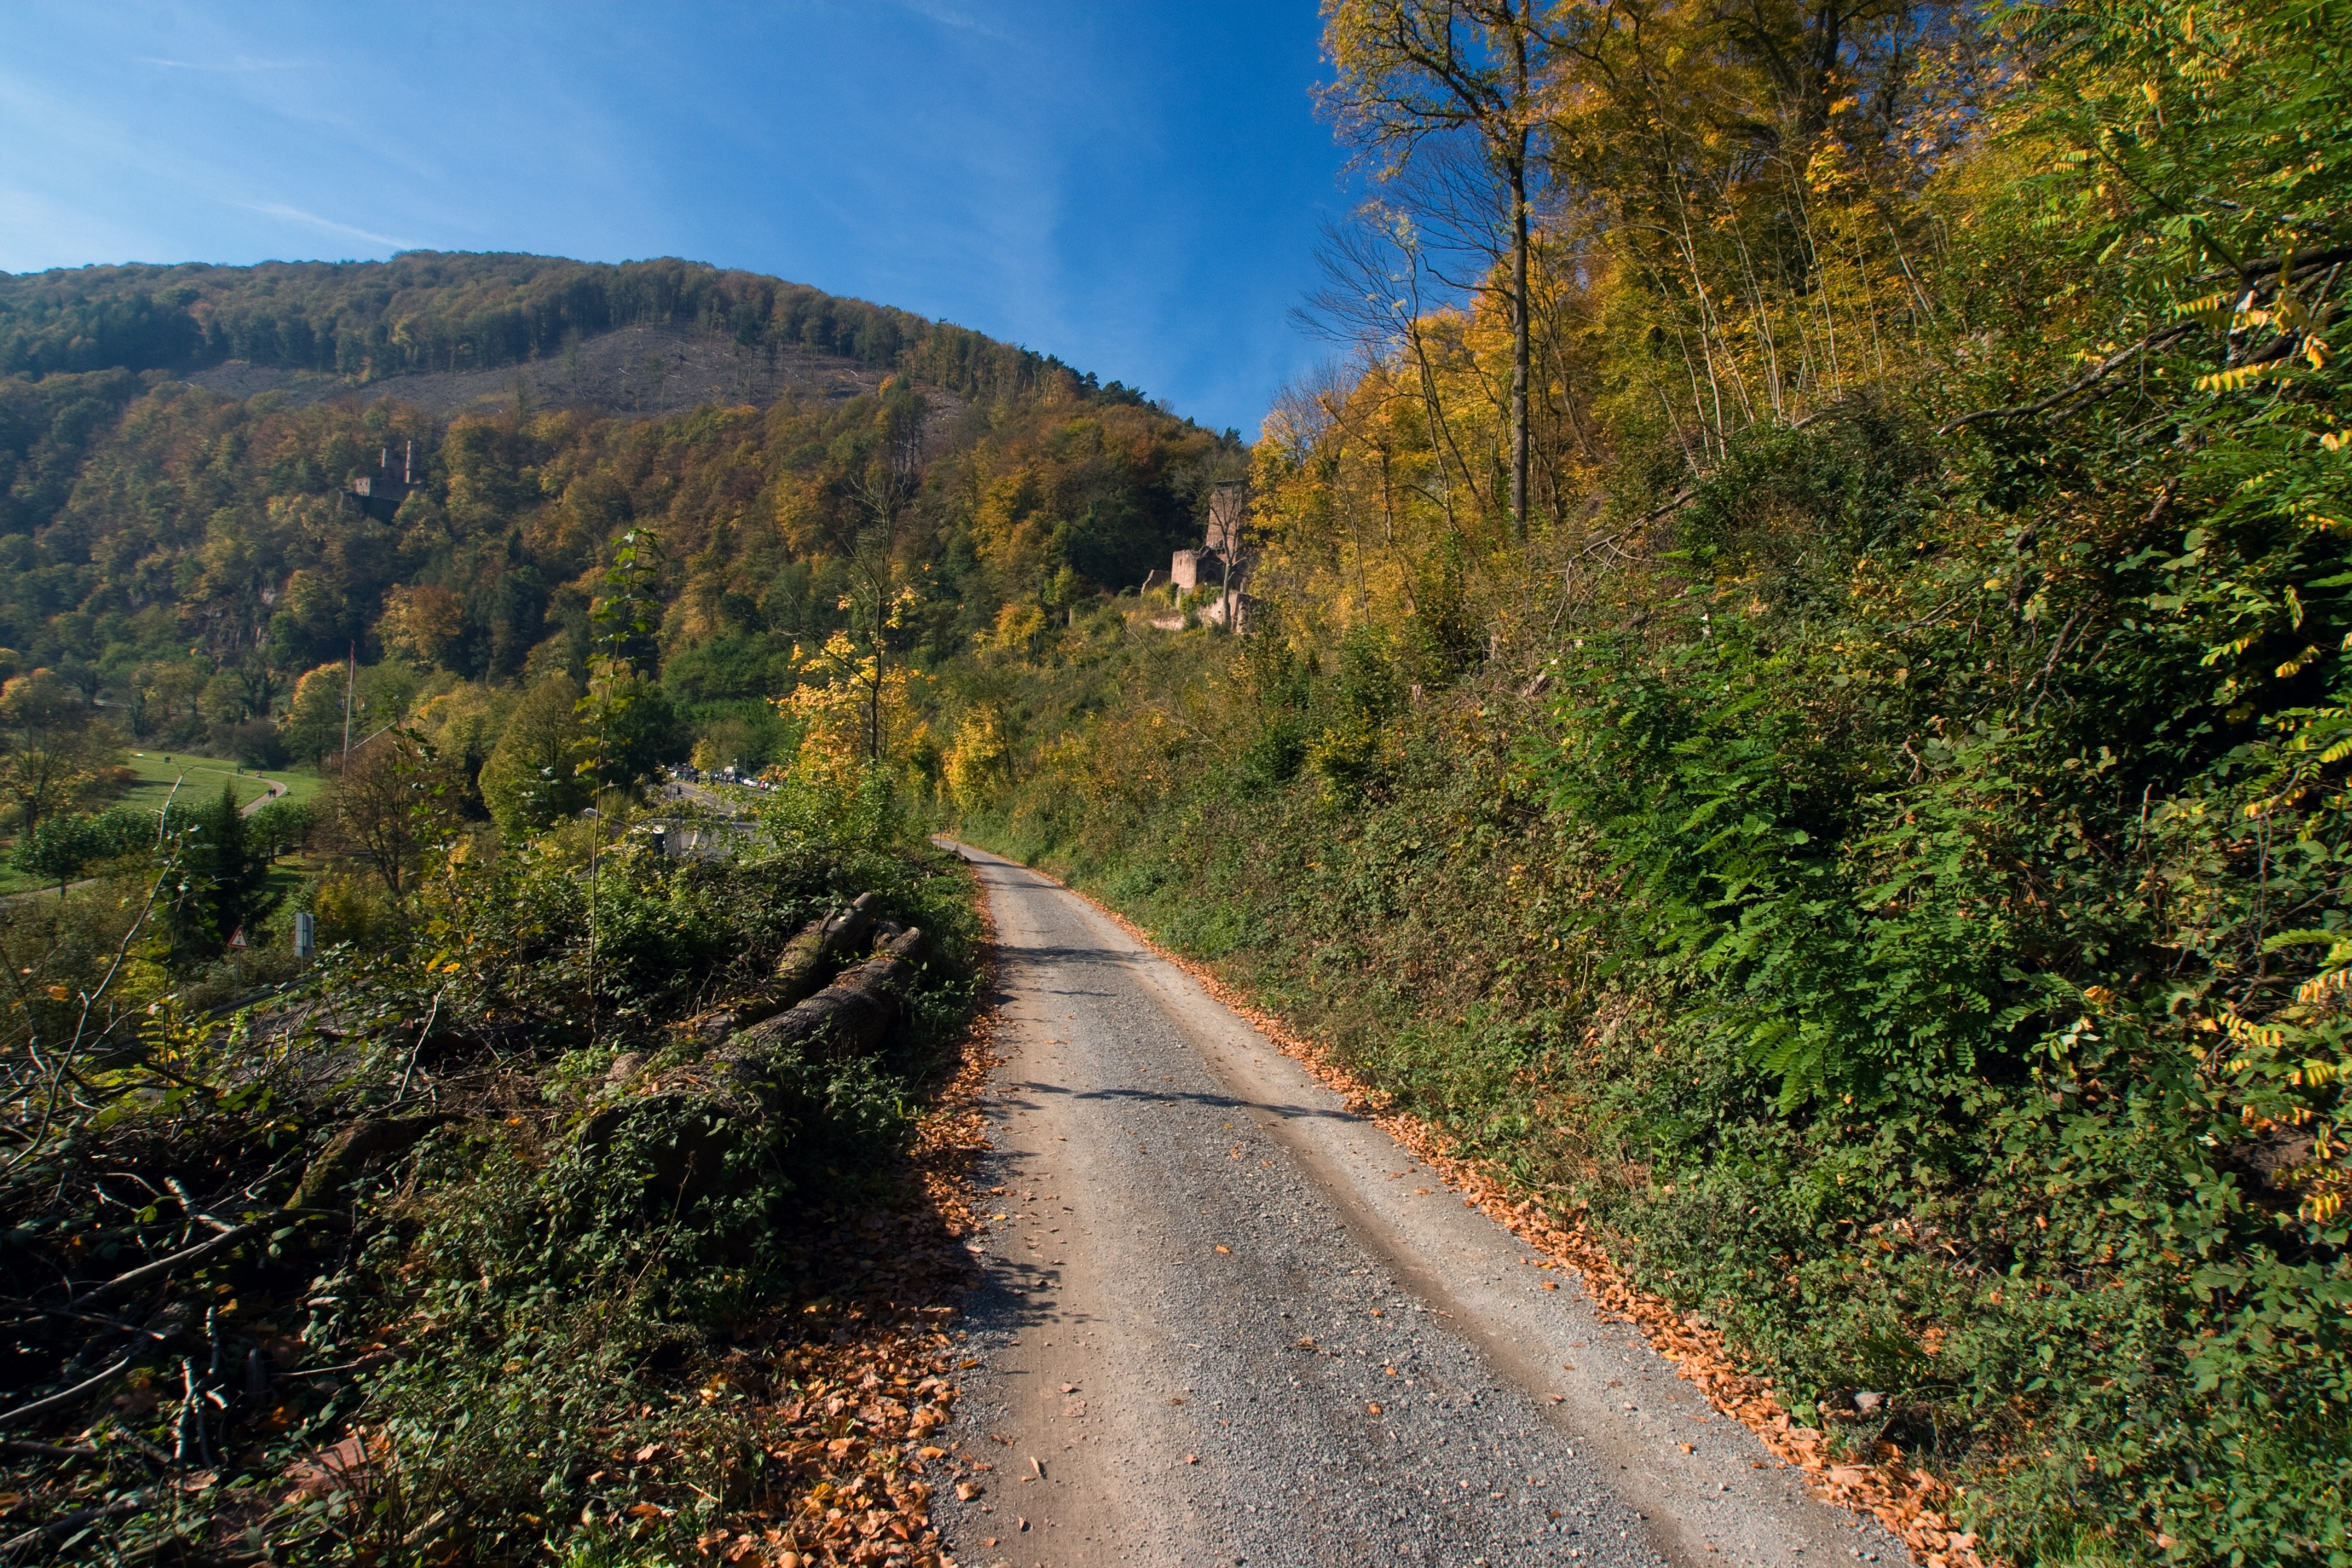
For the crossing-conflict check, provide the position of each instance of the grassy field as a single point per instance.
(199, 779)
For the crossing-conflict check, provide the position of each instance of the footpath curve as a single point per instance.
(1224, 1320)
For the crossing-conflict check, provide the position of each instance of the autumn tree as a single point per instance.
(380, 806)
(532, 776)
(629, 723)
(865, 530)
(317, 720)
(1415, 76)
(425, 624)
(52, 746)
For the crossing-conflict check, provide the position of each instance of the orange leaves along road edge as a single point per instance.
(1906, 1499)
(860, 1422)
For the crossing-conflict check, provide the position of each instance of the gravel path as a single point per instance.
(1226, 1322)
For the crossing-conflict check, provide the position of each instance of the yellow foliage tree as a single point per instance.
(854, 710)
(425, 625)
(975, 764)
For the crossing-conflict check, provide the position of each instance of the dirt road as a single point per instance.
(1228, 1322)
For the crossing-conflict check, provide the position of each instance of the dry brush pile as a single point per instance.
(590, 1217)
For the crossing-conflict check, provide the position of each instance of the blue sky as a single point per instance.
(1135, 187)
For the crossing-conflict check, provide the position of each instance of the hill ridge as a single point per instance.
(466, 311)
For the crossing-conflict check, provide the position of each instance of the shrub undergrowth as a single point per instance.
(481, 1336)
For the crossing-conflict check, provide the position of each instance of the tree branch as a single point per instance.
(2155, 342)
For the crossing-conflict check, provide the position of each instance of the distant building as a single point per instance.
(1223, 563)
(379, 494)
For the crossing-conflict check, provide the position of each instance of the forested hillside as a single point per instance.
(519, 1174)
(1794, 692)
(182, 558)
(1799, 706)
(428, 311)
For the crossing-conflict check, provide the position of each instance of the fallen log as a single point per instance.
(806, 961)
(349, 1151)
(692, 1120)
(803, 967)
(848, 1017)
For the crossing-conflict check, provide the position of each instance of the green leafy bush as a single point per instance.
(497, 1308)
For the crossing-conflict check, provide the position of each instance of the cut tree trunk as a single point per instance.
(804, 966)
(350, 1151)
(848, 1017)
(690, 1119)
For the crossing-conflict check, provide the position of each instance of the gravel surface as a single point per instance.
(1226, 1322)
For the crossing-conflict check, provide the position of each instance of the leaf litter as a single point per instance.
(1905, 1499)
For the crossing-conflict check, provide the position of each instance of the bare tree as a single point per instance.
(1380, 290)
(1416, 74)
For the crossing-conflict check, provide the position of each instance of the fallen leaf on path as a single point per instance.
(1371, 1407)
(1905, 1499)
(1224, 1249)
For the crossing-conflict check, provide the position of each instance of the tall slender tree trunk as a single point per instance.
(1523, 28)
(1520, 298)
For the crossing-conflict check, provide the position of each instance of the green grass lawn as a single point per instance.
(201, 778)
(12, 881)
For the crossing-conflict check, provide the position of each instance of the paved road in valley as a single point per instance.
(1226, 1322)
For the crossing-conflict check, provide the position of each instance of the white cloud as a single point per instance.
(298, 216)
(230, 66)
(948, 14)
